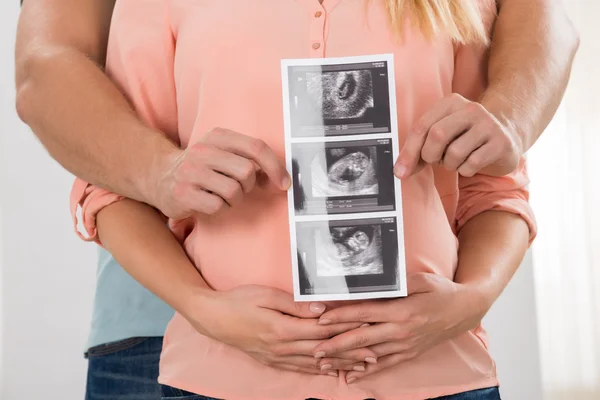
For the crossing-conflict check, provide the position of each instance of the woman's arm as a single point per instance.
(263, 322)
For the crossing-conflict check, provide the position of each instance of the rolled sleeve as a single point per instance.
(509, 193)
(90, 200)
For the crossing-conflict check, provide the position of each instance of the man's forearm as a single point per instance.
(533, 47)
(491, 248)
(86, 124)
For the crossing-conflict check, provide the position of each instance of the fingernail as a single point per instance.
(399, 170)
(286, 182)
(371, 360)
(349, 381)
(359, 368)
(332, 374)
(317, 308)
(324, 322)
(326, 367)
(365, 325)
(320, 354)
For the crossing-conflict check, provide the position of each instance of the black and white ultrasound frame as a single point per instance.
(306, 121)
(348, 288)
(306, 203)
(388, 283)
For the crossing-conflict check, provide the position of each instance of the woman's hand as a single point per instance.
(215, 173)
(268, 325)
(436, 310)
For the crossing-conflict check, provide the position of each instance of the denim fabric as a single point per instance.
(170, 393)
(124, 370)
(483, 394)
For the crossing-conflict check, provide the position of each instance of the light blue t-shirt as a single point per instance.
(122, 307)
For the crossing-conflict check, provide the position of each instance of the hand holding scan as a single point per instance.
(462, 136)
(215, 173)
(268, 325)
(436, 310)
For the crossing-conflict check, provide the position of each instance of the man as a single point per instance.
(87, 125)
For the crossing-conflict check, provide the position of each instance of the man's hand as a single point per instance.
(462, 136)
(436, 310)
(215, 173)
(268, 325)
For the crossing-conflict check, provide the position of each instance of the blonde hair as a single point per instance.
(461, 20)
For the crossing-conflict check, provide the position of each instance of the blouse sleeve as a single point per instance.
(481, 193)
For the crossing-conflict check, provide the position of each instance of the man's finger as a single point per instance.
(223, 186)
(373, 311)
(443, 133)
(477, 160)
(354, 339)
(255, 150)
(410, 154)
(461, 148)
(232, 165)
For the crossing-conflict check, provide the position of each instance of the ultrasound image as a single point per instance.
(350, 250)
(345, 171)
(341, 94)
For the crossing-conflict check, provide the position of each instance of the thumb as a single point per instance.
(420, 283)
(284, 302)
(409, 162)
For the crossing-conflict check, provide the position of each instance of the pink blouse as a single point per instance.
(190, 65)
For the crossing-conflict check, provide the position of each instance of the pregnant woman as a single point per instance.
(208, 74)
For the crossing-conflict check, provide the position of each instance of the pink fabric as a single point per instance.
(190, 65)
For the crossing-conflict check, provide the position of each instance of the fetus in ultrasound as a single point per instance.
(352, 250)
(341, 94)
(345, 171)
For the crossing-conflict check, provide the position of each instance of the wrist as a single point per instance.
(506, 112)
(164, 155)
(476, 298)
(197, 301)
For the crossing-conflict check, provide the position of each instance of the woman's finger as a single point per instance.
(355, 339)
(369, 312)
(298, 364)
(295, 329)
(342, 364)
(384, 362)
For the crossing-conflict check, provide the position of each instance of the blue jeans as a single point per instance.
(170, 393)
(124, 370)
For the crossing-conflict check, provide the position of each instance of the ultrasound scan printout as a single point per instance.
(345, 206)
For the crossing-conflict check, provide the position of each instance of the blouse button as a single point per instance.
(318, 14)
(316, 46)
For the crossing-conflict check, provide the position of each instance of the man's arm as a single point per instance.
(71, 105)
(533, 47)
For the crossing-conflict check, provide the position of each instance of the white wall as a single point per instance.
(48, 274)
(512, 327)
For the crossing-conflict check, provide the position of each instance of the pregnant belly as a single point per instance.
(250, 245)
